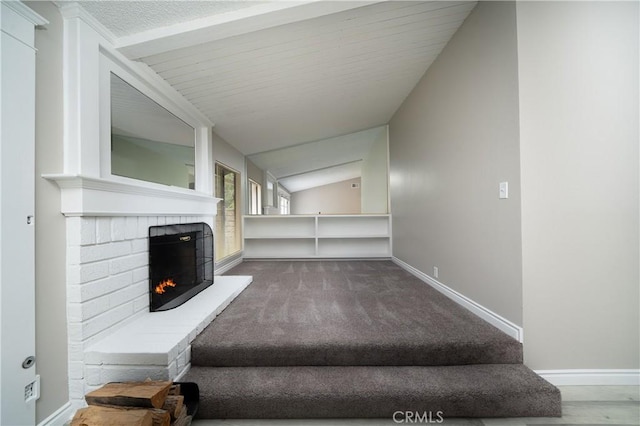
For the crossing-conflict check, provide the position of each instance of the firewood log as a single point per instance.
(175, 389)
(160, 417)
(173, 404)
(131, 394)
(106, 416)
(183, 419)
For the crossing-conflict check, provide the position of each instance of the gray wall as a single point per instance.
(335, 198)
(579, 149)
(226, 154)
(451, 142)
(255, 173)
(375, 177)
(51, 325)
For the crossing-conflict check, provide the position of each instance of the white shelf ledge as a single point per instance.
(90, 196)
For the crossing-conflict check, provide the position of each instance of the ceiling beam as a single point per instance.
(231, 24)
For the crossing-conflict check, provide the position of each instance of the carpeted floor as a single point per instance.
(357, 339)
(346, 313)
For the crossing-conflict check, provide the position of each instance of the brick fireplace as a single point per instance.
(112, 335)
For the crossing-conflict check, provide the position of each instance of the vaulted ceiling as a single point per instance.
(275, 74)
(303, 85)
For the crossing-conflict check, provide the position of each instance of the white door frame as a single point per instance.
(19, 387)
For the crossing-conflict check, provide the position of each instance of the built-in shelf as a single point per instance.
(317, 236)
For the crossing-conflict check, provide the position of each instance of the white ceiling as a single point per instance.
(126, 18)
(282, 73)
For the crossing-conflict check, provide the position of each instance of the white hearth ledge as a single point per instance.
(158, 344)
(91, 196)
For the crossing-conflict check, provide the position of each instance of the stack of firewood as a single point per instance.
(149, 403)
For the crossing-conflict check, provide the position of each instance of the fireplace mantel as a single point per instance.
(90, 196)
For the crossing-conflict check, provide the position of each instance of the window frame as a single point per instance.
(255, 197)
(221, 210)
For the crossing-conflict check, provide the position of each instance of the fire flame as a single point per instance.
(160, 288)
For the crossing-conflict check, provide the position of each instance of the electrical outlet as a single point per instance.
(32, 390)
(435, 272)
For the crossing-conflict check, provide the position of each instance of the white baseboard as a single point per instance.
(491, 317)
(591, 377)
(219, 270)
(60, 417)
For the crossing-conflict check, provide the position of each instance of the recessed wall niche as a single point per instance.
(148, 142)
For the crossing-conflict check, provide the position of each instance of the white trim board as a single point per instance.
(227, 265)
(599, 377)
(491, 317)
(60, 417)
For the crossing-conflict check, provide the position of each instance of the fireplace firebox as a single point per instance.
(180, 263)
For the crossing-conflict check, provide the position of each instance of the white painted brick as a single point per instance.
(127, 294)
(74, 312)
(143, 227)
(76, 351)
(130, 227)
(118, 228)
(141, 303)
(74, 330)
(107, 285)
(182, 345)
(141, 274)
(99, 252)
(128, 263)
(73, 231)
(94, 271)
(173, 370)
(73, 274)
(94, 307)
(103, 230)
(93, 375)
(182, 360)
(74, 293)
(106, 320)
(76, 370)
(87, 230)
(140, 245)
(73, 255)
(130, 373)
(76, 389)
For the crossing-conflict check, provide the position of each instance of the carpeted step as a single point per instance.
(346, 313)
(508, 390)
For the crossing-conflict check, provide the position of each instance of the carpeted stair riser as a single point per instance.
(357, 339)
(317, 354)
(373, 392)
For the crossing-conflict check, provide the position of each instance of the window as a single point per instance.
(284, 200)
(255, 202)
(284, 205)
(228, 239)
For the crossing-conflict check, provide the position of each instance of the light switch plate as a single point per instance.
(504, 190)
